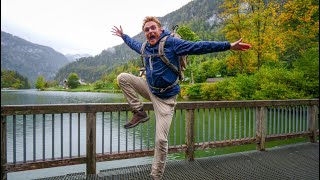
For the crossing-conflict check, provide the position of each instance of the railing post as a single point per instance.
(91, 143)
(190, 134)
(312, 123)
(3, 147)
(260, 129)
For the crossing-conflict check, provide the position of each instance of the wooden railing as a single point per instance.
(43, 136)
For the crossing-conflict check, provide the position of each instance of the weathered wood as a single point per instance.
(112, 107)
(251, 103)
(260, 128)
(312, 123)
(91, 143)
(190, 135)
(224, 143)
(63, 108)
(189, 148)
(3, 147)
(47, 163)
(135, 154)
(288, 136)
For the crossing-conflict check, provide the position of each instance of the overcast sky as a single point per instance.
(79, 26)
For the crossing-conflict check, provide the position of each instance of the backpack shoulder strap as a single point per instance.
(142, 69)
(143, 47)
(164, 57)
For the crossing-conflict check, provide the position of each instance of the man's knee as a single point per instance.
(121, 78)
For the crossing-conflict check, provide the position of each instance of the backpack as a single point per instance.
(182, 59)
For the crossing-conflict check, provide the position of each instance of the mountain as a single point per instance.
(29, 59)
(74, 57)
(200, 15)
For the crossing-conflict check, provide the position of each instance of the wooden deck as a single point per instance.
(297, 161)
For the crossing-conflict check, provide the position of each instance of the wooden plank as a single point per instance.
(190, 135)
(312, 123)
(112, 107)
(91, 143)
(260, 129)
(47, 163)
(63, 108)
(3, 147)
(252, 103)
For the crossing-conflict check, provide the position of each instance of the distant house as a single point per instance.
(213, 80)
(82, 82)
(65, 84)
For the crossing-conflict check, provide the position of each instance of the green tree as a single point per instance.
(257, 22)
(308, 64)
(234, 17)
(300, 23)
(73, 80)
(40, 83)
(187, 34)
(12, 79)
(51, 83)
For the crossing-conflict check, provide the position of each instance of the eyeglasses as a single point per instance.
(153, 27)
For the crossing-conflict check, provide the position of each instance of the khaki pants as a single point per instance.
(163, 108)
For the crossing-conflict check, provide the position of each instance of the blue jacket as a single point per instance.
(159, 74)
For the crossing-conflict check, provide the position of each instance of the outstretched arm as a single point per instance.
(238, 45)
(133, 44)
(117, 31)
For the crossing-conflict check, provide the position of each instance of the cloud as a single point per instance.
(79, 26)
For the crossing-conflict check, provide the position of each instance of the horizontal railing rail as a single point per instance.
(43, 136)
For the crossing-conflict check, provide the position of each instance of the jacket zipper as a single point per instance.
(150, 63)
(151, 66)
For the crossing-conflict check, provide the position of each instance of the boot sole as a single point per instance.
(141, 121)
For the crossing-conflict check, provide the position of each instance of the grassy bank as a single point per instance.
(87, 88)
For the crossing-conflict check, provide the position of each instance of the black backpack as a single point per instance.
(182, 59)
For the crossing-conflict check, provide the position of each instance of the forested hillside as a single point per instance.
(12, 79)
(29, 59)
(201, 15)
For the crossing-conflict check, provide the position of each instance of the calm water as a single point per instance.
(20, 97)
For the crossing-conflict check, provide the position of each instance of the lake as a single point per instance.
(32, 96)
(21, 97)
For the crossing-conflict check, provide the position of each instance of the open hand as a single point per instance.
(117, 31)
(238, 45)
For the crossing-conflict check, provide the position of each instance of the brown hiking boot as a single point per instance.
(138, 117)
